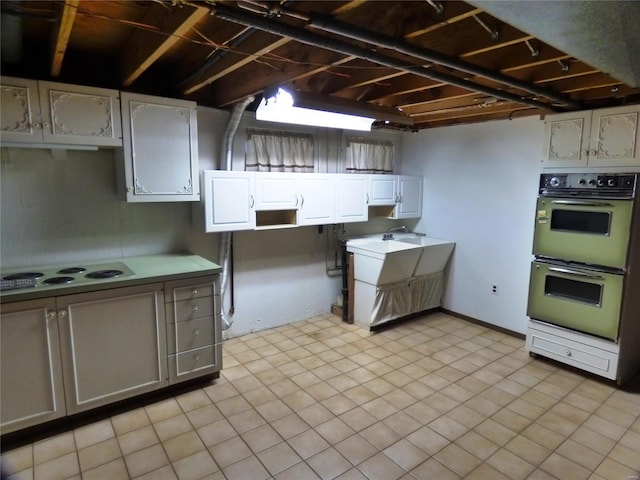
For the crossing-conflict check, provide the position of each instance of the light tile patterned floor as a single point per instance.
(433, 398)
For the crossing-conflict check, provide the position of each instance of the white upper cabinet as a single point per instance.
(51, 113)
(608, 137)
(352, 198)
(409, 197)
(402, 191)
(277, 191)
(229, 201)
(383, 189)
(160, 149)
(317, 199)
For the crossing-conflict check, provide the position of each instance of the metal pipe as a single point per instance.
(407, 48)
(225, 253)
(303, 36)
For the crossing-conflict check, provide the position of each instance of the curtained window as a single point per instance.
(365, 155)
(268, 151)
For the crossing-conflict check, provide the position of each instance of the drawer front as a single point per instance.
(575, 353)
(195, 363)
(190, 309)
(191, 334)
(178, 290)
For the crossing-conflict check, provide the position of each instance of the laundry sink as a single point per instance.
(381, 262)
(435, 253)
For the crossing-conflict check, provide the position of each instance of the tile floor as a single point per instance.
(433, 398)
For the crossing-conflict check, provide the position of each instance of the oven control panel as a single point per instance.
(618, 185)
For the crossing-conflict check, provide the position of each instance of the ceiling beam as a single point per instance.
(144, 48)
(61, 35)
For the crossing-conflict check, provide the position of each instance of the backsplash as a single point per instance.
(62, 206)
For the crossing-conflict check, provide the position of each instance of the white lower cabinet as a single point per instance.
(68, 354)
(194, 333)
(582, 351)
(31, 390)
(113, 344)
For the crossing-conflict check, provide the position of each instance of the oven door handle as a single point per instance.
(582, 203)
(578, 273)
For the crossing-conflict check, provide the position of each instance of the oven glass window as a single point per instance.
(585, 292)
(579, 221)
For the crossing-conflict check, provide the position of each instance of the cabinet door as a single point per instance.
(77, 115)
(113, 344)
(160, 149)
(383, 189)
(31, 389)
(615, 137)
(351, 198)
(317, 199)
(229, 200)
(409, 197)
(567, 137)
(20, 113)
(277, 191)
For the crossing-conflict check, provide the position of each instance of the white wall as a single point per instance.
(480, 187)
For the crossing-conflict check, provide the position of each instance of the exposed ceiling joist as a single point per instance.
(147, 47)
(61, 35)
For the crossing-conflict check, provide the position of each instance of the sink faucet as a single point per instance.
(398, 229)
(389, 234)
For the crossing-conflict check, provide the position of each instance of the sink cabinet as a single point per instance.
(31, 369)
(55, 114)
(113, 344)
(194, 335)
(608, 137)
(160, 155)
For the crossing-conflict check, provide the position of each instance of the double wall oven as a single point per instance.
(585, 277)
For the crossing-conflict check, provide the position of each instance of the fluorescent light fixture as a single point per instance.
(281, 108)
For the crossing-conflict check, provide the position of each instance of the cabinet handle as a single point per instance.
(594, 153)
(51, 315)
(568, 353)
(253, 201)
(367, 202)
(194, 292)
(36, 125)
(45, 125)
(195, 308)
(196, 333)
(301, 200)
(196, 358)
(62, 313)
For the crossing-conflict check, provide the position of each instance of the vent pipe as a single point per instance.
(225, 255)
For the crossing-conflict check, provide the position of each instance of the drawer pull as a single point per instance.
(196, 358)
(196, 333)
(195, 292)
(568, 353)
(195, 309)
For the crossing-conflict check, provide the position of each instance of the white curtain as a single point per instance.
(366, 156)
(279, 152)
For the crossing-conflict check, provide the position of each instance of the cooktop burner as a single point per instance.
(58, 280)
(23, 275)
(61, 276)
(110, 273)
(71, 270)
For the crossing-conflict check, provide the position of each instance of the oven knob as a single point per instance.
(611, 182)
(592, 182)
(582, 181)
(554, 182)
(601, 182)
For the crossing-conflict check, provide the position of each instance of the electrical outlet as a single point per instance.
(494, 289)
